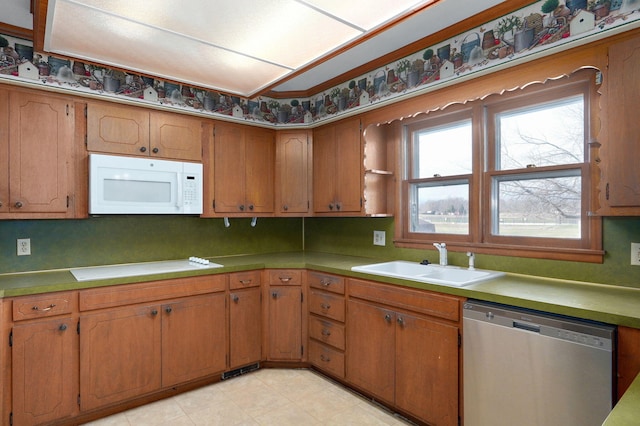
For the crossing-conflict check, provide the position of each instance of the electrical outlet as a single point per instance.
(24, 246)
(635, 253)
(378, 238)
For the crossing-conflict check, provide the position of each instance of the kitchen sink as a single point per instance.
(455, 276)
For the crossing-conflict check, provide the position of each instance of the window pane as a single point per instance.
(544, 135)
(442, 150)
(442, 209)
(547, 207)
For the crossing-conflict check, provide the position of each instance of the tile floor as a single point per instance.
(264, 397)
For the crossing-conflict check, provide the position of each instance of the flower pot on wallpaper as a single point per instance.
(413, 78)
(601, 10)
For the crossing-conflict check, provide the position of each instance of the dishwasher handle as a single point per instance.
(527, 327)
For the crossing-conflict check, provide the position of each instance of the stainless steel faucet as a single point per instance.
(442, 249)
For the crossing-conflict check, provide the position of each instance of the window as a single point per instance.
(508, 174)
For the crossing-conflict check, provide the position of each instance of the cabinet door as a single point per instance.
(371, 348)
(259, 170)
(120, 355)
(117, 129)
(4, 151)
(427, 369)
(349, 166)
(41, 136)
(45, 371)
(175, 136)
(193, 338)
(338, 168)
(229, 176)
(621, 154)
(293, 173)
(285, 323)
(324, 149)
(245, 327)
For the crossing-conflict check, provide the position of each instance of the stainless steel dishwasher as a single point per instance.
(524, 367)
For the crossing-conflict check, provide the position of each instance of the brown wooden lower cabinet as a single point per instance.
(245, 327)
(409, 360)
(44, 371)
(284, 302)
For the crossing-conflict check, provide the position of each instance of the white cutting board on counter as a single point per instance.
(106, 272)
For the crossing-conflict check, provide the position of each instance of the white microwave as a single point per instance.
(130, 185)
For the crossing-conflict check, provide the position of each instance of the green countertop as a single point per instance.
(598, 302)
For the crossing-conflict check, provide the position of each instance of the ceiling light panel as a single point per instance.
(119, 42)
(366, 14)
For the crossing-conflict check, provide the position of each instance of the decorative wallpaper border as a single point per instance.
(531, 30)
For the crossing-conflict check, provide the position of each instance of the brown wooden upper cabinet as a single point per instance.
(620, 180)
(338, 168)
(243, 170)
(38, 171)
(122, 129)
(293, 172)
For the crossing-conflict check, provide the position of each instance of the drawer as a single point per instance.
(422, 301)
(326, 282)
(326, 359)
(326, 331)
(43, 305)
(129, 294)
(245, 279)
(327, 305)
(285, 277)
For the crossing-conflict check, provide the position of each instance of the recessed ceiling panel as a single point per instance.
(239, 47)
(118, 42)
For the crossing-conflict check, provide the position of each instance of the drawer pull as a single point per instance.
(285, 279)
(245, 282)
(325, 306)
(48, 308)
(326, 332)
(325, 358)
(325, 282)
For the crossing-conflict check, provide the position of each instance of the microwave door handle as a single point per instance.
(179, 201)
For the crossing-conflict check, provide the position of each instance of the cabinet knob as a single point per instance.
(401, 321)
(154, 312)
(143, 149)
(241, 207)
(251, 207)
(330, 206)
(62, 327)
(275, 294)
(338, 206)
(285, 207)
(18, 204)
(155, 150)
(387, 318)
(0, 203)
(168, 309)
(235, 298)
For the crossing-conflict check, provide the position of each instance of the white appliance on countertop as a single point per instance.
(106, 272)
(132, 185)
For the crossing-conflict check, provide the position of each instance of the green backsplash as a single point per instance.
(354, 236)
(123, 239)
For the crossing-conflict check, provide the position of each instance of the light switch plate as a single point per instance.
(635, 253)
(379, 238)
